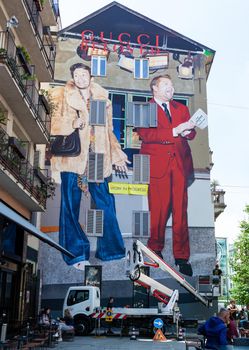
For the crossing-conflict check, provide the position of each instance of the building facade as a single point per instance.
(27, 59)
(125, 50)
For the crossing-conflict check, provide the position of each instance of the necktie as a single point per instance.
(167, 112)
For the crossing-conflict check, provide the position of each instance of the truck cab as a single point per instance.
(82, 301)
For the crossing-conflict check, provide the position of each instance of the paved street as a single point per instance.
(118, 343)
(124, 343)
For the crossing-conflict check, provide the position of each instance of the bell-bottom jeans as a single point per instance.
(71, 235)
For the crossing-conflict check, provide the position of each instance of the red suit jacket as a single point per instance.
(155, 141)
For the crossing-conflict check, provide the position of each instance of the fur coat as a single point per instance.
(67, 100)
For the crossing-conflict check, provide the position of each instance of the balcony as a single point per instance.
(25, 183)
(30, 29)
(50, 13)
(219, 202)
(19, 90)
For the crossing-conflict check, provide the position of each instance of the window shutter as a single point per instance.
(153, 115)
(141, 224)
(130, 114)
(97, 112)
(145, 69)
(95, 167)
(141, 68)
(137, 115)
(94, 66)
(102, 72)
(93, 113)
(137, 73)
(141, 168)
(95, 220)
(142, 115)
(145, 115)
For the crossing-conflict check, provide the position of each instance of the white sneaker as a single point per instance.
(60, 339)
(81, 265)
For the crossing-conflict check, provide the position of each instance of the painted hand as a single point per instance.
(121, 166)
(78, 123)
(179, 129)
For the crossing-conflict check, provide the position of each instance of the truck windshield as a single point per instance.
(77, 296)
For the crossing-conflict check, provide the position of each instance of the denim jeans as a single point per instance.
(71, 235)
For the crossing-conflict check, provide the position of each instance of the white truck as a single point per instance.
(84, 301)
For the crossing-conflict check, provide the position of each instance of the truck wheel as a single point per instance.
(82, 326)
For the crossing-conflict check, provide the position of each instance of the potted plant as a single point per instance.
(39, 4)
(24, 58)
(45, 103)
(46, 100)
(38, 172)
(3, 116)
(45, 191)
(3, 52)
(27, 76)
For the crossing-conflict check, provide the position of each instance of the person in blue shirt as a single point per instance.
(215, 330)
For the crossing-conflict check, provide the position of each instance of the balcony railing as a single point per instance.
(21, 74)
(13, 153)
(45, 40)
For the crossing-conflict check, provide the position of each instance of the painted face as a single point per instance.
(164, 89)
(81, 78)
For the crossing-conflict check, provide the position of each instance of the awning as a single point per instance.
(12, 215)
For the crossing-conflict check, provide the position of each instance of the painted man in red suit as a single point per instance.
(171, 171)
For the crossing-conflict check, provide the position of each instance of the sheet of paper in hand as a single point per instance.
(199, 118)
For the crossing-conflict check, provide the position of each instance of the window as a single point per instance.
(95, 167)
(77, 296)
(95, 222)
(141, 168)
(142, 114)
(141, 68)
(140, 224)
(97, 112)
(118, 119)
(182, 100)
(12, 239)
(98, 66)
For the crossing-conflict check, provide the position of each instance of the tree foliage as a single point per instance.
(240, 263)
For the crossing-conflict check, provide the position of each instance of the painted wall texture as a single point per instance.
(123, 88)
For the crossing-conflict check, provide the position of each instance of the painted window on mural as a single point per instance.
(118, 119)
(141, 68)
(141, 114)
(98, 66)
(97, 112)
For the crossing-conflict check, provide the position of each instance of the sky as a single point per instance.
(222, 25)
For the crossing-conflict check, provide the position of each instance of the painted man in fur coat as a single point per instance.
(72, 112)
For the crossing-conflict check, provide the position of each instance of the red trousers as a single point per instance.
(169, 195)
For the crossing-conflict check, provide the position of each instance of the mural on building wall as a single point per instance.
(92, 136)
(171, 170)
(71, 159)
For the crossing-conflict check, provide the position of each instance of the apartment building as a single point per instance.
(27, 60)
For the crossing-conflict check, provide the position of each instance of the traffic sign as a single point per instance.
(109, 315)
(158, 323)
